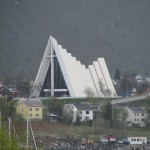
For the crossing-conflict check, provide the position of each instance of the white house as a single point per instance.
(82, 110)
(1, 85)
(136, 115)
(139, 79)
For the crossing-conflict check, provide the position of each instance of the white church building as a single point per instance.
(62, 74)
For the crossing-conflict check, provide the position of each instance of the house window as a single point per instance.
(137, 119)
(134, 119)
(134, 114)
(30, 115)
(143, 114)
(87, 112)
(80, 112)
(137, 114)
(30, 109)
(36, 109)
(36, 115)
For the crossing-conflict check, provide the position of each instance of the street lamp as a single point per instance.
(127, 91)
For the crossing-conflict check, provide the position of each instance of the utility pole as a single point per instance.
(125, 128)
(27, 133)
(32, 135)
(30, 127)
(0, 118)
(9, 128)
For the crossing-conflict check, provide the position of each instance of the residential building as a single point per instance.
(139, 79)
(136, 116)
(147, 80)
(1, 85)
(82, 110)
(31, 109)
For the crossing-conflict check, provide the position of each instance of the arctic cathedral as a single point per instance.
(60, 74)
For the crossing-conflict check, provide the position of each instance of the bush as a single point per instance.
(6, 143)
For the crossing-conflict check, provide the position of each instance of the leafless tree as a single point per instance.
(101, 87)
(119, 113)
(37, 87)
(107, 92)
(67, 116)
(89, 92)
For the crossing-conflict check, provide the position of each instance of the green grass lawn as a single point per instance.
(100, 128)
(94, 101)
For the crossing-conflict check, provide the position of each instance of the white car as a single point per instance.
(104, 141)
(120, 142)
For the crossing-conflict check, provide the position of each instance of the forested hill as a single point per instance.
(118, 30)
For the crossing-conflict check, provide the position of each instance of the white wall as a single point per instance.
(138, 116)
(77, 112)
(76, 75)
(85, 116)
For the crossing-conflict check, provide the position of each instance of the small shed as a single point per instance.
(50, 117)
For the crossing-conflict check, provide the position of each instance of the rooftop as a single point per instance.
(33, 103)
(82, 106)
(137, 109)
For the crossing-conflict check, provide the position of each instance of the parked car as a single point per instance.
(83, 141)
(125, 141)
(89, 140)
(104, 141)
(111, 139)
(148, 141)
(120, 141)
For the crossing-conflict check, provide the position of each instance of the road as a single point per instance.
(128, 99)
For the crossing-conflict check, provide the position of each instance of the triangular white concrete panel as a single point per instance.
(77, 77)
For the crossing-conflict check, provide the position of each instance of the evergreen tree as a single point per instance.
(107, 112)
(117, 74)
(78, 120)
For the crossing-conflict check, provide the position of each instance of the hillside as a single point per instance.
(116, 30)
